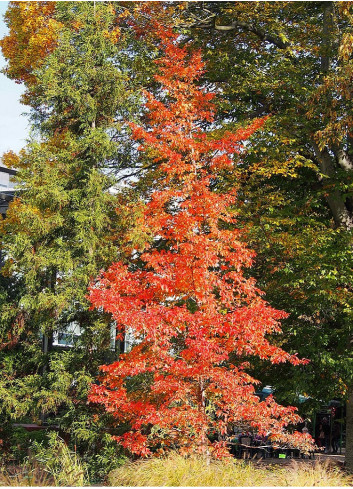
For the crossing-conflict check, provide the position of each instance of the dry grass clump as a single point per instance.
(176, 470)
(321, 474)
(24, 476)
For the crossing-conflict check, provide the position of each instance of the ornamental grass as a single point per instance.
(176, 470)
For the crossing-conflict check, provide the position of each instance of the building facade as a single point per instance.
(7, 188)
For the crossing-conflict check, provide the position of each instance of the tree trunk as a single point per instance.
(336, 202)
(349, 431)
(204, 442)
(341, 213)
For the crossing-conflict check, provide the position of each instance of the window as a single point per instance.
(67, 336)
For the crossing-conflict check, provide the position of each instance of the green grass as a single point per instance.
(176, 470)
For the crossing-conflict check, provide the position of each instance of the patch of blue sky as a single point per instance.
(14, 126)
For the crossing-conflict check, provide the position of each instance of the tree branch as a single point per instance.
(136, 172)
(210, 23)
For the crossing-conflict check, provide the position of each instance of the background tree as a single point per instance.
(292, 60)
(195, 314)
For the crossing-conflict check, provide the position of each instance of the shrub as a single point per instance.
(107, 458)
(17, 442)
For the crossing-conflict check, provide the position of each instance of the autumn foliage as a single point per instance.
(33, 35)
(196, 315)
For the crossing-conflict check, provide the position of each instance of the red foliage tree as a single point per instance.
(195, 313)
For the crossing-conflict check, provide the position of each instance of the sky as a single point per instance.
(14, 127)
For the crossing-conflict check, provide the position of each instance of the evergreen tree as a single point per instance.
(63, 224)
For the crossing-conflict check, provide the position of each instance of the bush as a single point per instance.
(106, 459)
(176, 470)
(17, 442)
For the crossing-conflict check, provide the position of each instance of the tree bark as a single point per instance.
(341, 215)
(349, 431)
(202, 401)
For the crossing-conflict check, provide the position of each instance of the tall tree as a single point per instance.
(62, 226)
(196, 315)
